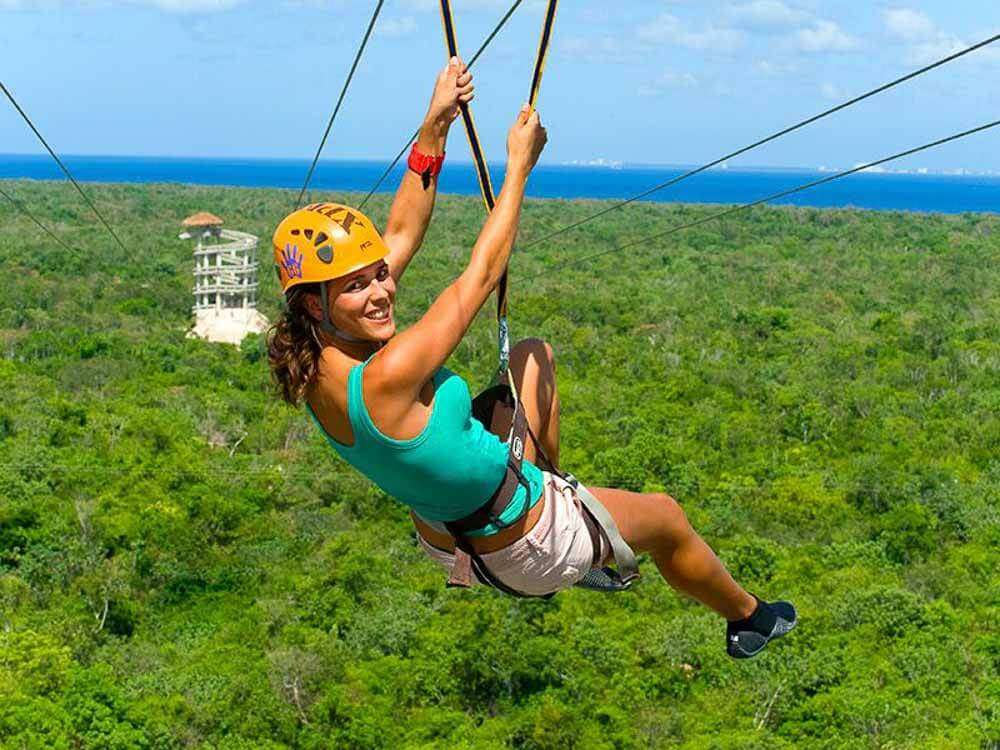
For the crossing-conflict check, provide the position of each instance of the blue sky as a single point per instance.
(655, 81)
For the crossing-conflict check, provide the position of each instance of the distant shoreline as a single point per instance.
(926, 192)
(7, 158)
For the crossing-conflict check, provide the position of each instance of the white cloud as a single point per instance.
(396, 27)
(434, 6)
(168, 6)
(667, 29)
(829, 91)
(194, 6)
(766, 15)
(603, 49)
(669, 79)
(909, 25)
(773, 68)
(823, 36)
(925, 42)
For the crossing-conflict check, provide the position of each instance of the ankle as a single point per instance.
(746, 609)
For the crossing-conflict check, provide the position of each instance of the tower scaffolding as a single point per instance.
(225, 276)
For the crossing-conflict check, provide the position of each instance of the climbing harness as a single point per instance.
(499, 409)
(479, 160)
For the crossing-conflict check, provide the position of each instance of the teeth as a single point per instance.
(378, 315)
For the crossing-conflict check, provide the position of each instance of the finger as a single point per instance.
(463, 79)
(466, 98)
(453, 62)
(465, 89)
(535, 118)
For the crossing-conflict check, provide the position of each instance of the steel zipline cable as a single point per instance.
(62, 166)
(21, 207)
(782, 194)
(340, 100)
(768, 139)
(482, 48)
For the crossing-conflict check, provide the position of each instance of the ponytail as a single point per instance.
(293, 348)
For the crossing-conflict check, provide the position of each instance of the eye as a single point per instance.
(383, 273)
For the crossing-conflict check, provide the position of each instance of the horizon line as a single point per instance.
(600, 163)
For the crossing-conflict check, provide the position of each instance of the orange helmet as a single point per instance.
(324, 241)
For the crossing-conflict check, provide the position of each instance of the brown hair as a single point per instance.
(293, 347)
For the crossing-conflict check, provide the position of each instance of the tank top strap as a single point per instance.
(357, 414)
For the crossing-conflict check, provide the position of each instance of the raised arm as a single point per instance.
(414, 202)
(409, 360)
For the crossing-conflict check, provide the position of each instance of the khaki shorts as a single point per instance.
(554, 555)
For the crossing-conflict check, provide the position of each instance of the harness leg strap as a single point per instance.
(628, 567)
(461, 570)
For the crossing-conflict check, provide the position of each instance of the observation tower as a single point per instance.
(225, 280)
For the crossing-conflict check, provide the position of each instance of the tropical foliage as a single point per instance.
(184, 562)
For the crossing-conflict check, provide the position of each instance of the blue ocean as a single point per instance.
(910, 192)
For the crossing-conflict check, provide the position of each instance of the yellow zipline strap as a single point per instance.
(479, 159)
(482, 170)
(543, 50)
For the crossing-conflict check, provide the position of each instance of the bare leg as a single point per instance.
(651, 523)
(656, 524)
(532, 363)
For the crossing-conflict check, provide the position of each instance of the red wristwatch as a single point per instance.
(423, 164)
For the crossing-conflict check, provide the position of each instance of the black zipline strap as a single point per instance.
(416, 134)
(62, 166)
(775, 136)
(20, 207)
(783, 194)
(340, 100)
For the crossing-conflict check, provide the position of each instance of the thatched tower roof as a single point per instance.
(203, 219)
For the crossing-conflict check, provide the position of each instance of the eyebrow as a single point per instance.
(357, 276)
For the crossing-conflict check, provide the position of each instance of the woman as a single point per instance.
(387, 404)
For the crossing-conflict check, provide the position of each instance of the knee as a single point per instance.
(534, 349)
(672, 517)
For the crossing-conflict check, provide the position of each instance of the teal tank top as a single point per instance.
(447, 471)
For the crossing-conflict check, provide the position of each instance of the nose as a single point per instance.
(379, 292)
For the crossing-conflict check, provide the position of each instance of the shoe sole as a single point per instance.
(781, 629)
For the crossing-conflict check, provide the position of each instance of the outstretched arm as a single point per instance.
(400, 370)
(414, 202)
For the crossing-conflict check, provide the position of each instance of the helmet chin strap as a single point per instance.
(327, 325)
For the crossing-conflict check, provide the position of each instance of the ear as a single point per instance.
(313, 306)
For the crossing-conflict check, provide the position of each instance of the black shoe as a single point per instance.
(748, 637)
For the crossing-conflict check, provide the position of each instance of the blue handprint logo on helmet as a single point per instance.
(291, 261)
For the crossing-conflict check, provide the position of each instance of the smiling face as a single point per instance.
(362, 303)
